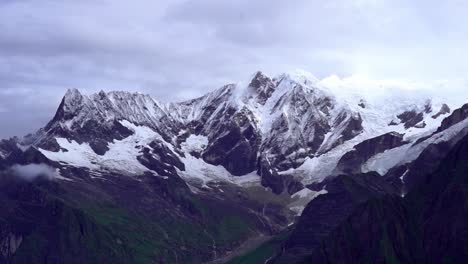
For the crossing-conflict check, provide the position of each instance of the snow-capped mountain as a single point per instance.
(127, 174)
(286, 132)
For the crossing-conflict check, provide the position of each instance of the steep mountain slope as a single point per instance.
(236, 163)
(79, 216)
(326, 212)
(289, 131)
(428, 226)
(375, 224)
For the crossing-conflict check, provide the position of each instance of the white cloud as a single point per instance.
(453, 92)
(31, 172)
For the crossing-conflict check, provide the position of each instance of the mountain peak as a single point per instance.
(71, 104)
(78, 111)
(102, 94)
(276, 124)
(262, 86)
(257, 79)
(72, 92)
(300, 76)
(72, 97)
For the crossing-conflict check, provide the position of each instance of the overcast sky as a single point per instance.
(176, 49)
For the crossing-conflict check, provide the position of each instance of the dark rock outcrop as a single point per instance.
(352, 161)
(362, 103)
(393, 123)
(410, 118)
(159, 158)
(445, 109)
(420, 125)
(15, 155)
(236, 144)
(457, 116)
(262, 86)
(326, 212)
(428, 107)
(277, 182)
(428, 225)
(95, 119)
(426, 163)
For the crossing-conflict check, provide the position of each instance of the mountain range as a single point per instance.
(308, 172)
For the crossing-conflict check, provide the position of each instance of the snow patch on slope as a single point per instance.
(250, 179)
(121, 156)
(383, 162)
(302, 193)
(316, 169)
(376, 102)
(200, 173)
(304, 197)
(194, 143)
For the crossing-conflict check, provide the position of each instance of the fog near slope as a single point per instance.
(30, 172)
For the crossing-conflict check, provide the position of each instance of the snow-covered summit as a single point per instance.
(288, 128)
(138, 108)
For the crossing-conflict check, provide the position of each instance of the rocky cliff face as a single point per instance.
(363, 219)
(457, 116)
(341, 196)
(428, 225)
(206, 161)
(353, 160)
(289, 130)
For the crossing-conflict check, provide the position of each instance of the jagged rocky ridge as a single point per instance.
(203, 161)
(428, 225)
(366, 218)
(289, 130)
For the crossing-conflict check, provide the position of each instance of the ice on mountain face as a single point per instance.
(194, 143)
(294, 124)
(80, 155)
(121, 156)
(295, 117)
(300, 76)
(317, 168)
(128, 149)
(287, 116)
(302, 193)
(383, 162)
(72, 100)
(202, 108)
(250, 179)
(77, 110)
(303, 197)
(198, 171)
(260, 88)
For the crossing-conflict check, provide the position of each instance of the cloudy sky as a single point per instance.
(178, 49)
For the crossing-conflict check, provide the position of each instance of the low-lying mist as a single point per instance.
(30, 172)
